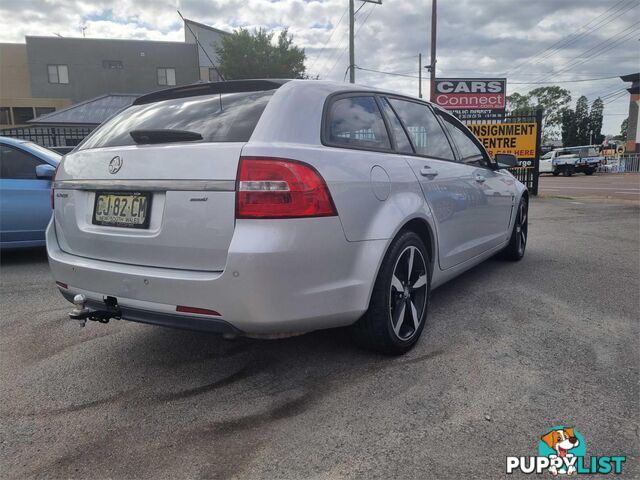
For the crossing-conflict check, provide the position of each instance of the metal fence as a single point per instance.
(57, 138)
(628, 163)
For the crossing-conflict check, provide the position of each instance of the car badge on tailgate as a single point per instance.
(115, 165)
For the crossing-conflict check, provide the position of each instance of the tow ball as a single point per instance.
(82, 313)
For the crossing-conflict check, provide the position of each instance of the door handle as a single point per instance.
(427, 171)
(480, 178)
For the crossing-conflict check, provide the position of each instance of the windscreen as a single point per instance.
(229, 117)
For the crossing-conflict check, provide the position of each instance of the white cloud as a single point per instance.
(475, 37)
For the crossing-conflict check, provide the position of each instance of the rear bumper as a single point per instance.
(171, 320)
(284, 276)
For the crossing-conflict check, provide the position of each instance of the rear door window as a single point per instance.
(357, 122)
(423, 128)
(229, 117)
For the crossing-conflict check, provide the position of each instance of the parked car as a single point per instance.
(570, 160)
(268, 208)
(26, 170)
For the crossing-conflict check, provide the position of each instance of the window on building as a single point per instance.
(112, 64)
(44, 110)
(5, 115)
(17, 164)
(58, 73)
(166, 76)
(424, 129)
(357, 122)
(22, 114)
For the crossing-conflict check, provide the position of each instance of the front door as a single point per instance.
(25, 200)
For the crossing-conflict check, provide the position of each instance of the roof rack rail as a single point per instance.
(197, 89)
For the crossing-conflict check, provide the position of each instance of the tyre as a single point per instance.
(514, 251)
(589, 171)
(398, 306)
(556, 173)
(567, 171)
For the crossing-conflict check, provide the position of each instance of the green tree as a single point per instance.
(518, 104)
(624, 126)
(595, 121)
(582, 121)
(552, 100)
(569, 128)
(245, 54)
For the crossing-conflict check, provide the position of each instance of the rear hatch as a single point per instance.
(163, 196)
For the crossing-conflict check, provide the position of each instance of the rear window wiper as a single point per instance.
(164, 136)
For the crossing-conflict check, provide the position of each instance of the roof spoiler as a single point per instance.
(197, 89)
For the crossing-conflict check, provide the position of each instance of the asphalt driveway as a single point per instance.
(509, 351)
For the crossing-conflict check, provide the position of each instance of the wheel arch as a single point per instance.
(421, 227)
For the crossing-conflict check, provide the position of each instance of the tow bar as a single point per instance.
(82, 313)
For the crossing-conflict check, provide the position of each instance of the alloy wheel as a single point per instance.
(408, 295)
(521, 228)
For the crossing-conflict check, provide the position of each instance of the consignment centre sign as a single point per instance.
(516, 138)
(472, 98)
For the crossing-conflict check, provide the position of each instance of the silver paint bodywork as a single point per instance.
(268, 276)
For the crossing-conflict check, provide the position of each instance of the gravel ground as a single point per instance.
(509, 351)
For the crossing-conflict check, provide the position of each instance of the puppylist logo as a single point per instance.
(562, 450)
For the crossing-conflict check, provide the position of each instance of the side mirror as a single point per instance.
(45, 171)
(506, 160)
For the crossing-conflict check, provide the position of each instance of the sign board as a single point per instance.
(472, 98)
(516, 138)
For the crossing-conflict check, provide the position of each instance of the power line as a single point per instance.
(341, 53)
(398, 74)
(605, 21)
(565, 81)
(563, 40)
(335, 28)
(600, 48)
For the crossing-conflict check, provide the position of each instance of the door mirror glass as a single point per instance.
(45, 171)
(506, 160)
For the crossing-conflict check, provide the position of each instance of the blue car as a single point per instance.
(26, 172)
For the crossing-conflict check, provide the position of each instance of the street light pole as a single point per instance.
(432, 66)
(352, 54)
(419, 75)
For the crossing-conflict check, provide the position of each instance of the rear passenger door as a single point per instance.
(448, 186)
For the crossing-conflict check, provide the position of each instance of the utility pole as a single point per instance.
(352, 48)
(352, 53)
(432, 66)
(419, 75)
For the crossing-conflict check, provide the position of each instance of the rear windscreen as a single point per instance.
(229, 117)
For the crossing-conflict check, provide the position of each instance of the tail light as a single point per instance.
(281, 188)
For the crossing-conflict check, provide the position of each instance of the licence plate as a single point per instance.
(122, 209)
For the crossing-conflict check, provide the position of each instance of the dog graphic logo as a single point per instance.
(563, 451)
(565, 444)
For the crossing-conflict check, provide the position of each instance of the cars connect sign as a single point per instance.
(472, 98)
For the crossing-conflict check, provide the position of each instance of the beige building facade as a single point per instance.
(16, 103)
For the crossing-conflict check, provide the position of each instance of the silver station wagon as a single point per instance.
(269, 208)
